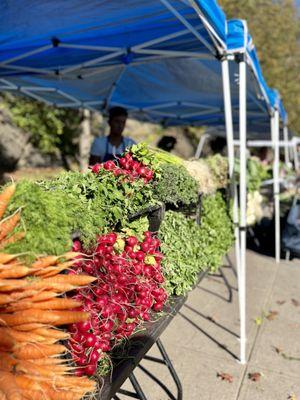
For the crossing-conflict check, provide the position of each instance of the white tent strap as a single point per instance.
(266, 143)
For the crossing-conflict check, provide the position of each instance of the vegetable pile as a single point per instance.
(75, 256)
(128, 288)
(31, 366)
(189, 248)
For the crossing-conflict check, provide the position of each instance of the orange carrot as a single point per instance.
(15, 272)
(5, 197)
(28, 327)
(35, 395)
(52, 333)
(44, 262)
(32, 351)
(53, 269)
(48, 361)
(27, 383)
(8, 225)
(24, 337)
(6, 258)
(41, 316)
(9, 386)
(8, 285)
(5, 299)
(77, 280)
(6, 340)
(31, 368)
(55, 304)
(12, 239)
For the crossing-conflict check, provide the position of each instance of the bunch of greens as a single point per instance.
(219, 168)
(74, 203)
(46, 219)
(256, 173)
(176, 186)
(189, 249)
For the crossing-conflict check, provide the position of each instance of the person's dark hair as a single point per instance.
(218, 144)
(167, 143)
(117, 111)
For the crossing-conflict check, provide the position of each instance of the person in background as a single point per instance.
(111, 147)
(264, 155)
(167, 143)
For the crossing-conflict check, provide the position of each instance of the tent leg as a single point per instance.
(276, 186)
(233, 188)
(286, 147)
(230, 152)
(296, 160)
(243, 204)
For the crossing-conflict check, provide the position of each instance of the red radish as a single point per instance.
(109, 165)
(132, 241)
(140, 255)
(89, 339)
(96, 168)
(83, 326)
(157, 306)
(76, 246)
(90, 369)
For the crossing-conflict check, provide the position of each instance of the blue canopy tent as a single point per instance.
(166, 61)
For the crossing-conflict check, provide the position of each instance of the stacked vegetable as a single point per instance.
(128, 287)
(31, 307)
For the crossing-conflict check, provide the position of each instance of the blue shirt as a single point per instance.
(101, 146)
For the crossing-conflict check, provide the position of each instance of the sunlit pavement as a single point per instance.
(202, 340)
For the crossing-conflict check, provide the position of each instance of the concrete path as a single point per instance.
(202, 341)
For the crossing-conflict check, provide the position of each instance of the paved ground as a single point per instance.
(202, 341)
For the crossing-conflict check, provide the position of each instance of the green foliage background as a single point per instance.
(275, 28)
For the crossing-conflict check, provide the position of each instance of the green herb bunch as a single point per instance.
(176, 186)
(189, 248)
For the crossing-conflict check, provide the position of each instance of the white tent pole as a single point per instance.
(243, 203)
(296, 160)
(230, 150)
(275, 137)
(201, 145)
(233, 189)
(286, 148)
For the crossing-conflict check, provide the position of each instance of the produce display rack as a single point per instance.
(136, 349)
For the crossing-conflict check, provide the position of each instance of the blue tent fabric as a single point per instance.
(155, 57)
(47, 29)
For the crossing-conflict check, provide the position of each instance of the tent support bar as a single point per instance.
(275, 137)
(233, 190)
(243, 206)
(187, 25)
(201, 145)
(286, 148)
(265, 143)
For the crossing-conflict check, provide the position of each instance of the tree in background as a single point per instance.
(275, 28)
(54, 131)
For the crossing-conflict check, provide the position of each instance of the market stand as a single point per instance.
(113, 65)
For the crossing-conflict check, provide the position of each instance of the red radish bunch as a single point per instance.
(128, 288)
(126, 166)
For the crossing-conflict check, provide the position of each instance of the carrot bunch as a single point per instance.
(32, 306)
(8, 224)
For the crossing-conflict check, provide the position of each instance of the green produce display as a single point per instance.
(189, 249)
(256, 173)
(176, 186)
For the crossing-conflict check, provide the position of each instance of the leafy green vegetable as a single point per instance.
(256, 173)
(176, 186)
(189, 249)
(75, 203)
(45, 217)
